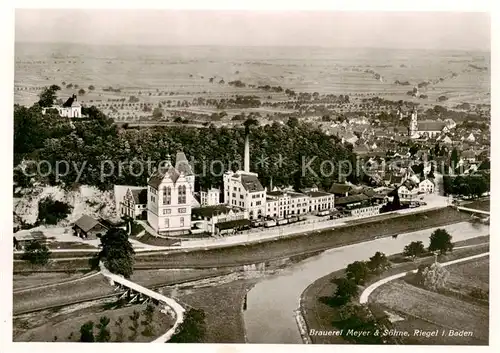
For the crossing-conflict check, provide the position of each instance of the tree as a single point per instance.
(91, 88)
(117, 252)
(346, 289)
(192, 329)
(414, 249)
(48, 96)
(435, 277)
(454, 158)
(440, 240)
(378, 262)
(87, 332)
(103, 335)
(135, 325)
(51, 212)
(119, 335)
(148, 321)
(81, 92)
(36, 253)
(357, 271)
(157, 113)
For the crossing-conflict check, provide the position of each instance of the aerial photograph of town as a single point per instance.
(251, 177)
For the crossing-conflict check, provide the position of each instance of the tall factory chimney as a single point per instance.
(246, 167)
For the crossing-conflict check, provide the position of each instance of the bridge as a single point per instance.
(472, 210)
(136, 293)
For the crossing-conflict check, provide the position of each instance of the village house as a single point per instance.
(359, 206)
(469, 156)
(340, 190)
(210, 197)
(218, 219)
(134, 203)
(70, 109)
(408, 191)
(24, 238)
(426, 186)
(87, 227)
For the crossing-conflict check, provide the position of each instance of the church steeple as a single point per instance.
(413, 128)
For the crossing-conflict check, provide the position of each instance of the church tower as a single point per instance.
(413, 128)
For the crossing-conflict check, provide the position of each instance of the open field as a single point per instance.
(469, 275)
(86, 289)
(173, 75)
(65, 327)
(319, 314)
(438, 309)
(27, 280)
(483, 205)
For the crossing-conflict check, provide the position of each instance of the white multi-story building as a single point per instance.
(210, 197)
(70, 109)
(243, 189)
(320, 201)
(426, 186)
(171, 197)
(282, 204)
(408, 191)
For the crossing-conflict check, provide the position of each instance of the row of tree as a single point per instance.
(87, 333)
(472, 185)
(285, 150)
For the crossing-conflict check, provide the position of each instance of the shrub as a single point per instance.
(479, 294)
(435, 277)
(51, 212)
(36, 253)
(87, 332)
(357, 271)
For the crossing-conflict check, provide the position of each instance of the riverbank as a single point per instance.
(273, 249)
(223, 305)
(319, 314)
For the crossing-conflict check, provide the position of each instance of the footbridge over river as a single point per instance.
(137, 293)
(472, 210)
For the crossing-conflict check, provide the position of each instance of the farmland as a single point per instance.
(450, 309)
(129, 82)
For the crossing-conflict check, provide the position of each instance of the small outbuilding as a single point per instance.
(87, 227)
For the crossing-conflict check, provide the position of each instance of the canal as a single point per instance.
(271, 304)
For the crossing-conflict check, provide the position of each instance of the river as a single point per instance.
(269, 316)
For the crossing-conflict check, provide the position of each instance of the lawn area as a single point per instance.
(52, 245)
(438, 309)
(161, 277)
(66, 327)
(472, 241)
(222, 305)
(471, 274)
(483, 205)
(319, 314)
(86, 289)
(29, 280)
(147, 238)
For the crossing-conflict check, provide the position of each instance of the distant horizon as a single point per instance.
(462, 31)
(251, 46)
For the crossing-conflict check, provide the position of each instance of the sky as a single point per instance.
(422, 30)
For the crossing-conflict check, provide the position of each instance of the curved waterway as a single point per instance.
(271, 304)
